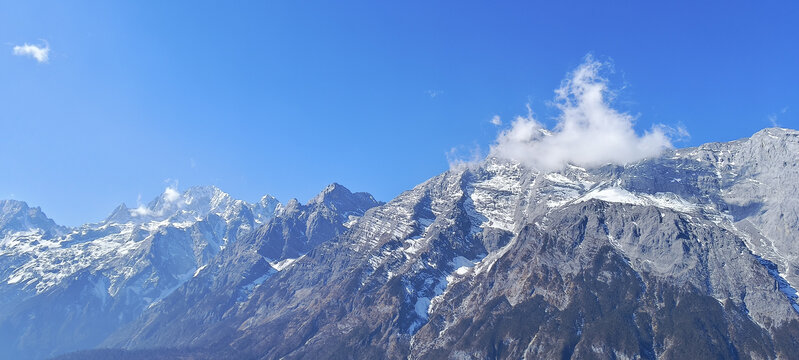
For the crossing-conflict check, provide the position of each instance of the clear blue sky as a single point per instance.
(284, 97)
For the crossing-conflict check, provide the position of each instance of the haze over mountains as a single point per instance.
(687, 254)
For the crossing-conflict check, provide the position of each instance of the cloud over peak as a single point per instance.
(171, 194)
(39, 52)
(589, 131)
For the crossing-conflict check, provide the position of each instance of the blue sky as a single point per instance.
(285, 97)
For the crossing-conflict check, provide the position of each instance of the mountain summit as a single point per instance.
(67, 289)
(17, 217)
(690, 254)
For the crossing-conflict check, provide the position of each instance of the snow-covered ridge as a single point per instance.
(196, 202)
(188, 227)
(495, 196)
(622, 196)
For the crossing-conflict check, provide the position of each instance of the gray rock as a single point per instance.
(687, 255)
(684, 255)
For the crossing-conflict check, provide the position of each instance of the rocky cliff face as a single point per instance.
(230, 279)
(18, 217)
(67, 289)
(687, 255)
(690, 254)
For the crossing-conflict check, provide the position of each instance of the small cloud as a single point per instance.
(141, 210)
(496, 120)
(171, 200)
(679, 133)
(434, 93)
(772, 118)
(461, 157)
(589, 131)
(171, 194)
(39, 52)
(192, 163)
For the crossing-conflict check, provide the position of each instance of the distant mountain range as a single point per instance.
(691, 254)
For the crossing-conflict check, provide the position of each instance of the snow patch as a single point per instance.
(282, 264)
(421, 307)
(618, 195)
(558, 178)
(199, 269)
(15, 278)
(462, 265)
(493, 199)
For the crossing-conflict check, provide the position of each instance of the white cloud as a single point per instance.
(589, 132)
(38, 52)
(141, 210)
(773, 120)
(496, 120)
(773, 117)
(171, 194)
(434, 93)
(460, 157)
(171, 198)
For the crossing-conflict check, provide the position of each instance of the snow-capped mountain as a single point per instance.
(687, 255)
(232, 276)
(691, 254)
(17, 217)
(66, 289)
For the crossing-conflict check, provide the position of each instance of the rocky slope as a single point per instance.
(66, 289)
(230, 279)
(687, 255)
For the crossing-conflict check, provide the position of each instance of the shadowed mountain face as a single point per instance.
(687, 255)
(65, 290)
(230, 279)
(17, 217)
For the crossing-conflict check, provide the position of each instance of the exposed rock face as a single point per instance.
(686, 255)
(67, 289)
(17, 217)
(229, 279)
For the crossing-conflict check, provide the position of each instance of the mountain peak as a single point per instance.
(775, 132)
(121, 214)
(17, 216)
(342, 200)
(191, 204)
(330, 193)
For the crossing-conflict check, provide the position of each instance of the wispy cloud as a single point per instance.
(434, 93)
(171, 194)
(589, 131)
(772, 118)
(140, 209)
(460, 157)
(496, 120)
(39, 52)
(171, 200)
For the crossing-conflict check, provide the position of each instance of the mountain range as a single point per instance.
(689, 254)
